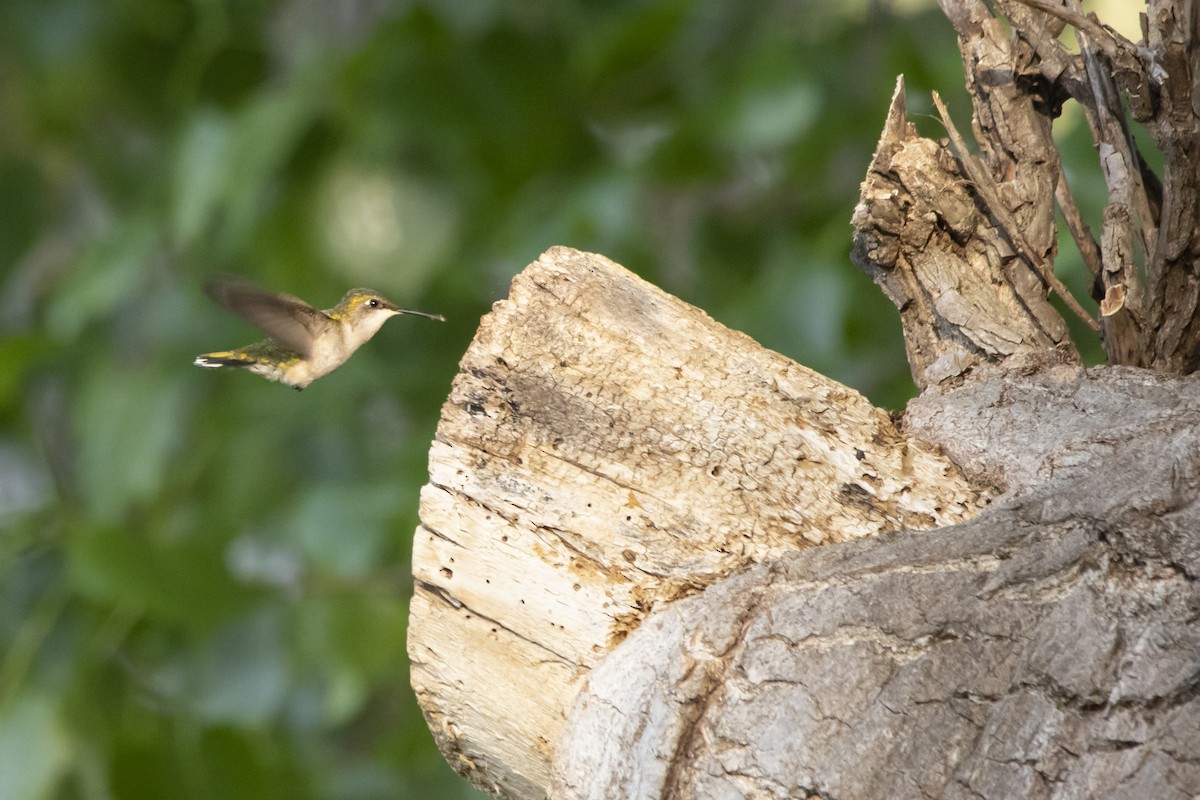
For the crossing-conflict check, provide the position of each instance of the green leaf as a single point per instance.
(34, 748)
(110, 272)
(131, 426)
(341, 529)
(201, 176)
(178, 581)
(17, 355)
(241, 675)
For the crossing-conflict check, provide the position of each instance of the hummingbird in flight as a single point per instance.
(305, 343)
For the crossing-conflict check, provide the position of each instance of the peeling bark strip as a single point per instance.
(1047, 649)
(607, 447)
(1151, 222)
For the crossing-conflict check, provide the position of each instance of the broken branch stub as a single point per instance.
(966, 295)
(605, 448)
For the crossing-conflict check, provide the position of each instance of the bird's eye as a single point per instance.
(373, 303)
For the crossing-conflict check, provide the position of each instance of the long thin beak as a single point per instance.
(438, 317)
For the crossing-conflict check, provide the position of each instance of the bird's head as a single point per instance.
(365, 311)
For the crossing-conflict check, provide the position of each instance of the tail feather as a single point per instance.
(224, 358)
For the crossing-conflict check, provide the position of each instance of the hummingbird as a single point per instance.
(305, 343)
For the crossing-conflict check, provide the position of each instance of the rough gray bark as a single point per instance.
(659, 561)
(1049, 648)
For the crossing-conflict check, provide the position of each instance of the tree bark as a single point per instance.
(1048, 648)
(659, 561)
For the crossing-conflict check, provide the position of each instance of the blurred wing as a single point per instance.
(284, 317)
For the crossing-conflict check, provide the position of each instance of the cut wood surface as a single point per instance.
(605, 448)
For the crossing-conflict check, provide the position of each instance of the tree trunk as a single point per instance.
(1048, 648)
(658, 560)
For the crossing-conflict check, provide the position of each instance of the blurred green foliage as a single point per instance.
(204, 576)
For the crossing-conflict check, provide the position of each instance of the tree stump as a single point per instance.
(657, 560)
(607, 448)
